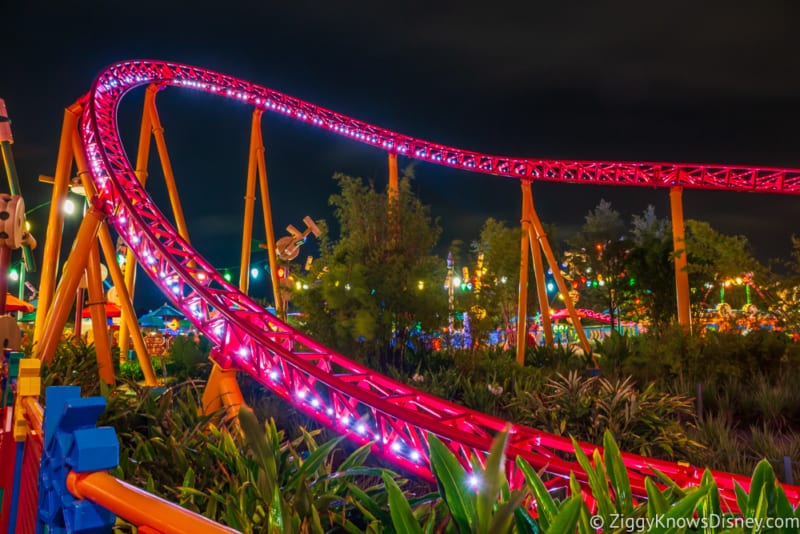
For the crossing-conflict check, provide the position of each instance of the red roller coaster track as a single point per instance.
(351, 399)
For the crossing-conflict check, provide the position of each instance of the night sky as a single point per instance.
(706, 82)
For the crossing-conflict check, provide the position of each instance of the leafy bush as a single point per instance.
(646, 421)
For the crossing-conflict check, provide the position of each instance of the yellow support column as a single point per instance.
(538, 269)
(97, 300)
(681, 264)
(55, 221)
(267, 210)
(142, 160)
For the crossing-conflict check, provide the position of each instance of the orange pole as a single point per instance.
(681, 264)
(127, 306)
(562, 287)
(142, 159)
(393, 180)
(139, 507)
(55, 220)
(522, 300)
(126, 302)
(62, 301)
(267, 209)
(222, 390)
(169, 176)
(538, 269)
(97, 300)
(393, 196)
(249, 205)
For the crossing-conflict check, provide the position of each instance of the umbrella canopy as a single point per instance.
(158, 317)
(111, 309)
(14, 304)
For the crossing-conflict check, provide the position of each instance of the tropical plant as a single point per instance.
(647, 421)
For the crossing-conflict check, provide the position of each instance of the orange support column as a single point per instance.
(249, 207)
(681, 264)
(267, 210)
(107, 245)
(97, 300)
(562, 287)
(142, 159)
(522, 302)
(538, 269)
(55, 221)
(393, 180)
(62, 301)
(166, 165)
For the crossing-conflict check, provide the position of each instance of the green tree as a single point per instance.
(378, 283)
(651, 270)
(714, 258)
(597, 259)
(499, 280)
(787, 292)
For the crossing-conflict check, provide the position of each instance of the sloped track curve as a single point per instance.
(348, 398)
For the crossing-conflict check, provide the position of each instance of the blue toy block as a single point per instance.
(73, 443)
(94, 449)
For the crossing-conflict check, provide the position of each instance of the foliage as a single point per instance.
(364, 293)
(650, 295)
(598, 253)
(645, 421)
(499, 280)
(188, 359)
(74, 363)
(714, 257)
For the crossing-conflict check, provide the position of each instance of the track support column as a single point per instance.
(681, 264)
(266, 207)
(55, 220)
(142, 161)
(538, 269)
(522, 298)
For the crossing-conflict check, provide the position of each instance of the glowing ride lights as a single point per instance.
(100, 124)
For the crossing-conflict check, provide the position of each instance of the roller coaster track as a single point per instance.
(348, 398)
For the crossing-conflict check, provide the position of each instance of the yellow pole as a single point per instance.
(267, 208)
(142, 159)
(681, 264)
(102, 348)
(538, 269)
(249, 204)
(55, 220)
(522, 302)
(562, 287)
(64, 295)
(169, 176)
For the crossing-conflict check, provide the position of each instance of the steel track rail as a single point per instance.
(348, 398)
